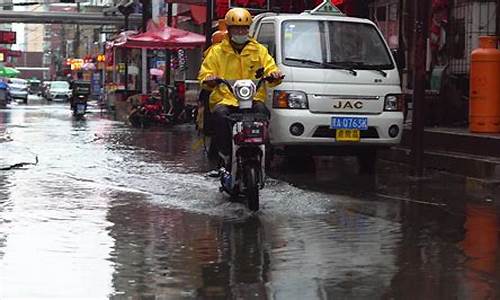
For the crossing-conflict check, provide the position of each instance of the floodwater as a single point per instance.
(114, 212)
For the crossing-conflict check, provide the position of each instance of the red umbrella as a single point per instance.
(163, 37)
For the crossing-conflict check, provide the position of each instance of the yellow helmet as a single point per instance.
(238, 17)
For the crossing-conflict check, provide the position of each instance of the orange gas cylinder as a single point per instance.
(484, 112)
(220, 34)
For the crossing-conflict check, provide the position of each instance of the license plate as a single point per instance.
(80, 108)
(349, 123)
(347, 135)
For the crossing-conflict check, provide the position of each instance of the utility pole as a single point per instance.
(76, 48)
(125, 56)
(64, 54)
(498, 18)
(421, 32)
(208, 24)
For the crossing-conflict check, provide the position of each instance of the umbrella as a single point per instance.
(88, 66)
(8, 72)
(156, 72)
(162, 37)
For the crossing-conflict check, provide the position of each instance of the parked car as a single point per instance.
(18, 89)
(59, 91)
(341, 94)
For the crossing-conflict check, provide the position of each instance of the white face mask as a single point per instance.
(240, 39)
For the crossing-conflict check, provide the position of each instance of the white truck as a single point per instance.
(341, 94)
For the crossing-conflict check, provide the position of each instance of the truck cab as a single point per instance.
(341, 93)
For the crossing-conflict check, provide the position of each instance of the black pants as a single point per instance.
(223, 126)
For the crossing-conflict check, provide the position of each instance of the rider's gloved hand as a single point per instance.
(276, 76)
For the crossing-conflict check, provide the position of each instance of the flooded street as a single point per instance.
(114, 212)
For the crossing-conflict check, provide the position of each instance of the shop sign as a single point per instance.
(7, 37)
(76, 64)
(121, 68)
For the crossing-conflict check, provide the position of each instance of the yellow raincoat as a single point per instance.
(224, 62)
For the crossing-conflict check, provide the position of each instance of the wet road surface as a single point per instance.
(113, 212)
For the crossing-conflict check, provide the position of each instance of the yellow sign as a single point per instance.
(76, 64)
(2, 56)
(327, 8)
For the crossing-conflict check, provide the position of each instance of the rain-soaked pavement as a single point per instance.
(115, 212)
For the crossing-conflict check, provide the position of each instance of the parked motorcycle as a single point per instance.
(148, 111)
(246, 174)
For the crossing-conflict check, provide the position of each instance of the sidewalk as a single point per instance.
(455, 150)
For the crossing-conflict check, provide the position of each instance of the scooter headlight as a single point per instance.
(244, 90)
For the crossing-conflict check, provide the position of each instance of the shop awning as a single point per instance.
(162, 37)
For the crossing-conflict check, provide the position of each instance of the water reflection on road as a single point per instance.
(122, 213)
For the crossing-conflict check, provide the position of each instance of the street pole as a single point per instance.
(168, 55)
(208, 25)
(498, 18)
(125, 57)
(421, 30)
(77, 34)
(165, 92)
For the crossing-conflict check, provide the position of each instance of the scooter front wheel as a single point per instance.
(251, 177)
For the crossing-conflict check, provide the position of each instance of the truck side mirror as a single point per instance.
(399, 58)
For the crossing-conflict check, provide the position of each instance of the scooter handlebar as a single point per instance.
(219, 81)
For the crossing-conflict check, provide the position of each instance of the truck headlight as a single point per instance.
(393, 102)
(290, 99)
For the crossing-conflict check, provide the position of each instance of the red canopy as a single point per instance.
(163, 37)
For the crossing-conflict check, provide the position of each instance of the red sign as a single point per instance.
(14, 53)
(250, 4)
(7, 37)
(198, 2)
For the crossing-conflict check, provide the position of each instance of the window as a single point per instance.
(267, 37)
(302, 40)
(332, 44)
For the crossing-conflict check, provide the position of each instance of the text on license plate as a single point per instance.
(349, 123)
(347, 135)
(80, 108)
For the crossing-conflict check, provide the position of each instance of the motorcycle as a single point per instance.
(148, 111)
(245, 175)
(4, 94)
(79, 98)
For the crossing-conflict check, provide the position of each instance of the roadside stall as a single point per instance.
(157, 38)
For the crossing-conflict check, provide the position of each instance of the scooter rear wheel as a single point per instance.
(252, 187)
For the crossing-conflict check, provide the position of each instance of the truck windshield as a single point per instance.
(333, 44)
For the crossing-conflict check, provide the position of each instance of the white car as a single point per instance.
(58, 90)
(18, 89)
(341, 93)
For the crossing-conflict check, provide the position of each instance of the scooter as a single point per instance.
(79, 106)
(4, 95)
(245, 176)
(80, 94)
